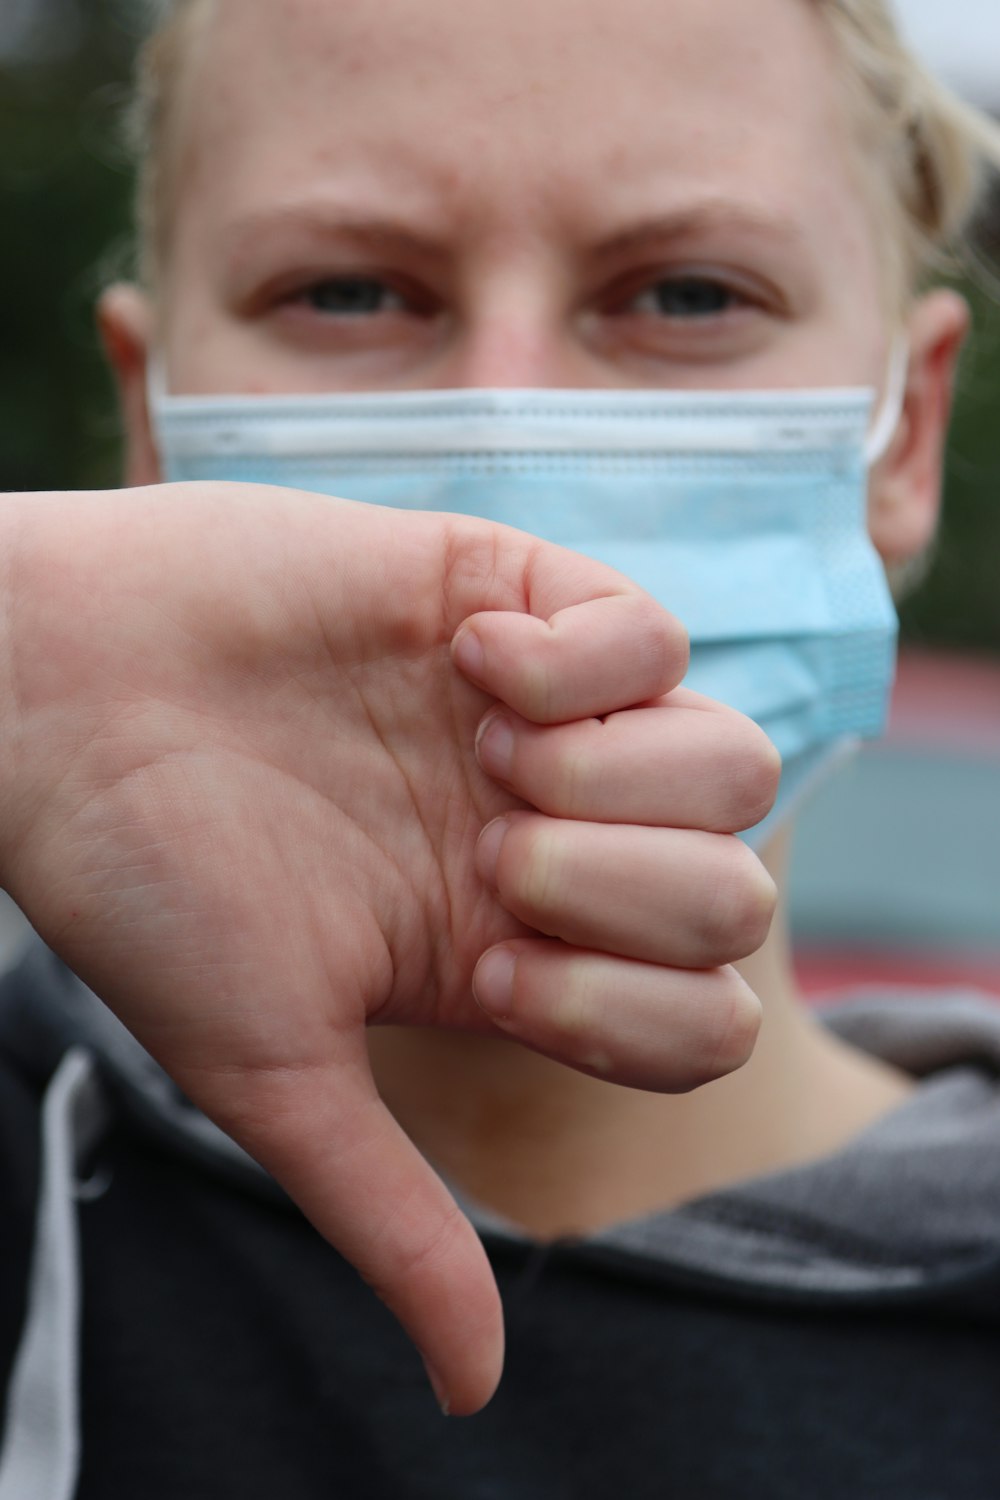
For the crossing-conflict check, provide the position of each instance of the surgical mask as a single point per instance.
(743, 513)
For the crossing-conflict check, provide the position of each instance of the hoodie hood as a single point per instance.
(912, 1202)
(914, 1197)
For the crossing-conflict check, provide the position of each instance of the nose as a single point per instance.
(501, 353)
(510, 352)
(515, 333)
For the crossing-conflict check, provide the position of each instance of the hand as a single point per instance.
(239, 796)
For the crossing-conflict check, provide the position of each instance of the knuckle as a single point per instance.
(580, 1013)
(669, 640)
(472, 559)
(762, 775)
(734, 1026)
(398, 1259)
(755, 906)
(535, 876)
(534, 694)
(738, 918)
(573, 777)
(753, 776)
(653, 645)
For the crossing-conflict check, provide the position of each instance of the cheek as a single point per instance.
(200, 347)
(187, 331)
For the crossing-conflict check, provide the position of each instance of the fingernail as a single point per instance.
(438, 1387)
(493, 983)
(495, 746)
(488, 850)
(467, 653)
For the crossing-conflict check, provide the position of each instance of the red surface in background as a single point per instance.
(945, 704)
(822, 972)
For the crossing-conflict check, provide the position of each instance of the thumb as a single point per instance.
(324, 1134)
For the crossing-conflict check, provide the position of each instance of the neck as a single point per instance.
(558, 1152)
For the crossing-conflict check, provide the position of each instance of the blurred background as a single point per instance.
(923, 903)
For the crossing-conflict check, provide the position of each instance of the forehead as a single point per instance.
(496, 112)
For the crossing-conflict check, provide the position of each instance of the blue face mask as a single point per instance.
(743, 513)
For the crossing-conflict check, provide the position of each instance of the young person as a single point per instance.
(241, 801)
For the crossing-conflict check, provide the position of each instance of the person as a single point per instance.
(446, 252)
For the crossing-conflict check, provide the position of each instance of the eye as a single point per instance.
(351, 297)
(687, 297)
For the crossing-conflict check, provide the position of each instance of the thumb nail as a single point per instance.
(439, 1388)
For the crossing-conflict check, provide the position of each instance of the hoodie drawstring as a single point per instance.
(41, 1451)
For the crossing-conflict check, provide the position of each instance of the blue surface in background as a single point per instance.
(902, 848)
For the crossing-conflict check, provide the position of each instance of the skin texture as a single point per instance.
(502, 243)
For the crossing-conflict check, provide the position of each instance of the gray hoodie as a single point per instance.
(913, 1201)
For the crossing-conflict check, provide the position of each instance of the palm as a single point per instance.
(279, 781)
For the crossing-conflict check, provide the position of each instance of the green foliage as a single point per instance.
(65, 193)
(958, 604)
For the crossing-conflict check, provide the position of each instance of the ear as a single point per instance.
(905, 488)
(125, 324)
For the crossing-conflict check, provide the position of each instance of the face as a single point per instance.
(585, 193)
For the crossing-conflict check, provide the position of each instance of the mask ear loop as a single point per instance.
(879, 439)
(156, 389)
(156, 397)
(156, 382)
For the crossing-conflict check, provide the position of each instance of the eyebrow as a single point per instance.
(711, 216)
(320, 223)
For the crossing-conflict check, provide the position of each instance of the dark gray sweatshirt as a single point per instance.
(171, 1328)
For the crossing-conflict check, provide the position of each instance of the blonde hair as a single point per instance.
(932, 151)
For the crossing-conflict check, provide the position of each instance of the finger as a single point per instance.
(326, 1137)
(663, 895)
(636, 1024)
(589, 658)
(682, 763)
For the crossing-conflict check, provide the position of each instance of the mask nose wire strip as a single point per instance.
(41, 1453)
